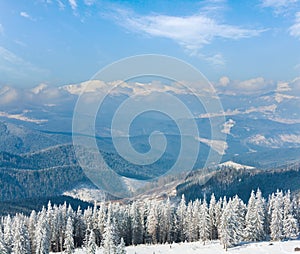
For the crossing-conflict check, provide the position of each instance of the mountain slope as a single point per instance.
(228, 181)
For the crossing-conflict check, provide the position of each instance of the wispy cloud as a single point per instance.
(89, 2)
(191, 32)
(295, 29)
(13, 67)
(1, 29)
(277, 3)
(61, 5)
(279, 6)
(73, 4)
(26, 15)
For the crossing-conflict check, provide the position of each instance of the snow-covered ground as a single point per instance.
(211, 248)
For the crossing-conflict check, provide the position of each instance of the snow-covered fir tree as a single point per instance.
(42, 234)
(152, 224)
(181, 215)
(8, 233)
(112, 226)
(21, 241)
(290, 224)
(276, 225)
(69, 240)
(121, 247)
(213, 234)
(255, 215)
(3, 248)
(109, 241)
(90, 242)
(204, 223)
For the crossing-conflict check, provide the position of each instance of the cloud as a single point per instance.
(217, 59)
(15, 69)
(73, 4)
(26, 15)
(224, 81)
(191, 32)
(295, 29)
(277, 3)
(8, 95)
(1, 29)
(89, 2)
(245, 87)
(61, 5)
(279, 6)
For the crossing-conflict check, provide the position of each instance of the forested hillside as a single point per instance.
(227, 181)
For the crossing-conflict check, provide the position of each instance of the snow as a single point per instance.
(227, 126)
(219, 146)
(86, 194)
(211, 248)
(235, 165)
(22, 117)
(290, 138)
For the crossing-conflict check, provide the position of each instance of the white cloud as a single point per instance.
(283, 87)
(252, 84)
(295, 29)
(246, 87)
(8, 95)
(61, 5)
(15, 68)
(26, 15)
(217, 59)
(1, 29)
(89, 2)
(191, 32)
(279, 6)
(38, 89)
(224, 81)
(277, 3)
(73, 4)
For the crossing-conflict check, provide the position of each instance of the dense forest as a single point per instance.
(113, 226)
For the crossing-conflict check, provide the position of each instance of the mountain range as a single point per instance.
(260, 129)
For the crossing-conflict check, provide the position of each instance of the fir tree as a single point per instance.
(121, 247)
(276, 225)
(181, 215)
(213, 234)
(3, 248)
(69, 240)
(109, 238)
(21, 242)
(90, 243)
(204, 223)
(42, 234)
(152, 224)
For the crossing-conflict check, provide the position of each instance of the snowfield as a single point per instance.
(211, 248)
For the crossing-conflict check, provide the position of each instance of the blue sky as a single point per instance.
(58, 42)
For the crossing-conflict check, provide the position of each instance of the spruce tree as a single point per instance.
(121, 247)
(276, 225)
(69, 239)
(204, 223)
(3, 248)
(109, 238)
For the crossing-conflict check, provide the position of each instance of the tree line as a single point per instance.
(113, 226)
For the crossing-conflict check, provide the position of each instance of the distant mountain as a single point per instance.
(37, 158)
(230, 181)
(18, 139)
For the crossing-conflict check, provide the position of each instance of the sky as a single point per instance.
(59, 42)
